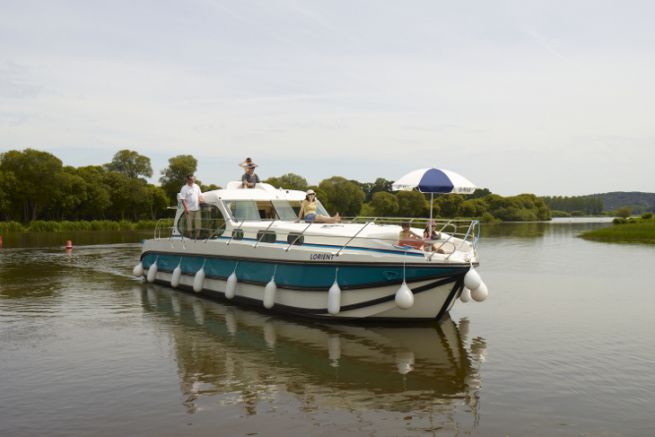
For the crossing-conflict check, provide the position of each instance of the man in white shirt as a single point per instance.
(191, 197)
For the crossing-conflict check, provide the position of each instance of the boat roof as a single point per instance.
(262, 191)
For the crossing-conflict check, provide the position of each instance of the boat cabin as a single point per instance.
(234, 204)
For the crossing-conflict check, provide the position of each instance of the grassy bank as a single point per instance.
(636, 230)
(66, 226)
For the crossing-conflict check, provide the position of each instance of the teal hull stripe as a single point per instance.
(299, 275)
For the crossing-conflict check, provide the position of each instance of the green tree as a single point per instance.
(123, 194)
(99, 199)
(8, 184)
(478, 193)
(370, 188)
(624, 212)
(37, 174)
(210, 187)
(158, 201)
(341, 196)
(449, 204)
(131, 164)
(71, 192)
(384, 204)
(473, 208)
(412, 204)
(174, 176)
(289, 181)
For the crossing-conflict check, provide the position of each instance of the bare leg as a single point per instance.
(324, 219)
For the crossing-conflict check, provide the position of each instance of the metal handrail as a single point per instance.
(227, 243)
(263, 233)
(354, 236)
(158, 228)
(449, 223)
(471, 236)
(298, 237)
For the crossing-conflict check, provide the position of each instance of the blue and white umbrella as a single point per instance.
(434, 180)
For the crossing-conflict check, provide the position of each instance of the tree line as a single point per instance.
(376, 199)
(575, 205)
(35, 185)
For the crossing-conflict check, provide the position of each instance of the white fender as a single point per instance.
(138, 270)
(472, 279)
(152, 272)
(465, 296)
(269, 294)
(231, 286)
(199, 280)
(175, 278)
(480, 293)
(404, 297)
(334, 299)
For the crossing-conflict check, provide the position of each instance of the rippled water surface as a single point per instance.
(565, 345)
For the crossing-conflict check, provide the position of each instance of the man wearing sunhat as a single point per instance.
(249, 178)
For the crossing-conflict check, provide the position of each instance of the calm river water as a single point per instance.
(565, 345)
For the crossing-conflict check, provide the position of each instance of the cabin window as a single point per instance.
(244, 209)
(285, 211)
(266, 236)
(295, 238)
(212, 223)
(251, 210)
(237, 234)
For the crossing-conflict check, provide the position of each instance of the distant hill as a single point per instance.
(595, 204)
(638, 201)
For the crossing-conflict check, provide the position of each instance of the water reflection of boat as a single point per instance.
(222, 350)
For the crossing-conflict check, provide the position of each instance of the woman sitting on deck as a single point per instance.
(308, 209)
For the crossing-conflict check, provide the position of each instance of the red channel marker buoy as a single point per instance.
(69, 244)
(0, 241)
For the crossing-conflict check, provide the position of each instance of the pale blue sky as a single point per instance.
(549, 97)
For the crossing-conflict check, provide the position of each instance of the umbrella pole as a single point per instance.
(430, 222)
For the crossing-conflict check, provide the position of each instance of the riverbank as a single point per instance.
(82, 225)
(635, 230)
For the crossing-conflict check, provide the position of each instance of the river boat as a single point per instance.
(253, 251)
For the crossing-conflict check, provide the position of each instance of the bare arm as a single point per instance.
(301, 213)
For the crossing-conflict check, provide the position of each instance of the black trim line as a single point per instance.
(321, 313)
(322, 289)
(457, 288)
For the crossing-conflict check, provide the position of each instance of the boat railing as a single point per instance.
(235, 232)
(262, 234)
(453, 228)
(164, 226)
(354, 236)
(297, 237)
(454, 234)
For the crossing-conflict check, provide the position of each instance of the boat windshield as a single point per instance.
(268, 210)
